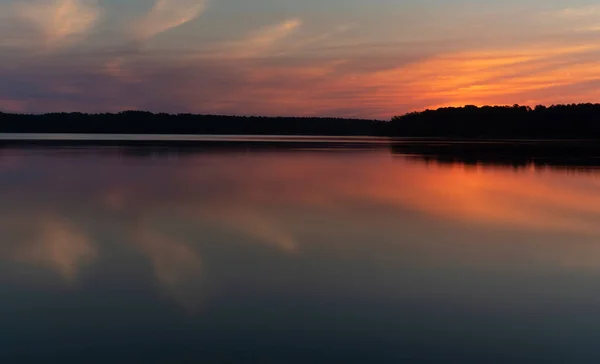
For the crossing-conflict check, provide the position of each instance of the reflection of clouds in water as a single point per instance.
(263, 229)
(177, 266)
(257, 195)
(252, 223)
(247, 220)
(529, 199)
(58, 244)
(8, 161)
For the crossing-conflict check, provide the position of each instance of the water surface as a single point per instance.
(294, 255)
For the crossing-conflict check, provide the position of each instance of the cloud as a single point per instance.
(269, 36)
(262, 41)
(494, 77)
(117, 68)
(59, 22)
(331, 36)
(575, 20)
(166, 15)
(7, 105)
(276, 71)
(579, 12)
(162, 17)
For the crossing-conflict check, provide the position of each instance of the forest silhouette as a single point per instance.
(142, 122)
(573, 121)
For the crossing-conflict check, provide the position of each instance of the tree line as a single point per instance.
(142, 122)
(573, 121)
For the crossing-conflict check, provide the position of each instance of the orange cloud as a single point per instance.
(368, 87)
(60, 22)
(166, 15)
(267, 40)
(494, 77)
(12, 105)
(290, 68)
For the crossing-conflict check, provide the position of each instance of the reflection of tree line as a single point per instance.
(570, 155)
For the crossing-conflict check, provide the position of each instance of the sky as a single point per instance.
(348, 58)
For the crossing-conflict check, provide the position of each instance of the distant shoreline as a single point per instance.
(231, 138)
(234, 142)
(140, 122)
(469, 123)
(556, 122)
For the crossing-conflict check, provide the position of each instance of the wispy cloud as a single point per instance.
(573, 19)
(162, 17)
(579, 12)
(263, 40)
(322, 38)
(59, 23)
(166, 15)
(502, 76)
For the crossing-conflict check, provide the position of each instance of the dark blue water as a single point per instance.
(121, 255)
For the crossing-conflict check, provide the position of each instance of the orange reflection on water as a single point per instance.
(524, 199)
(275, 200)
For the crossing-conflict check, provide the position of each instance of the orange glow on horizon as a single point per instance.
(528, 75)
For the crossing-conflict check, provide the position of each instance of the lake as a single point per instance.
(349, 251)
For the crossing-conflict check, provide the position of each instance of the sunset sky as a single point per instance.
(351, 58)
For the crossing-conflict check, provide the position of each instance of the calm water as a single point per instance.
(293, 255)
